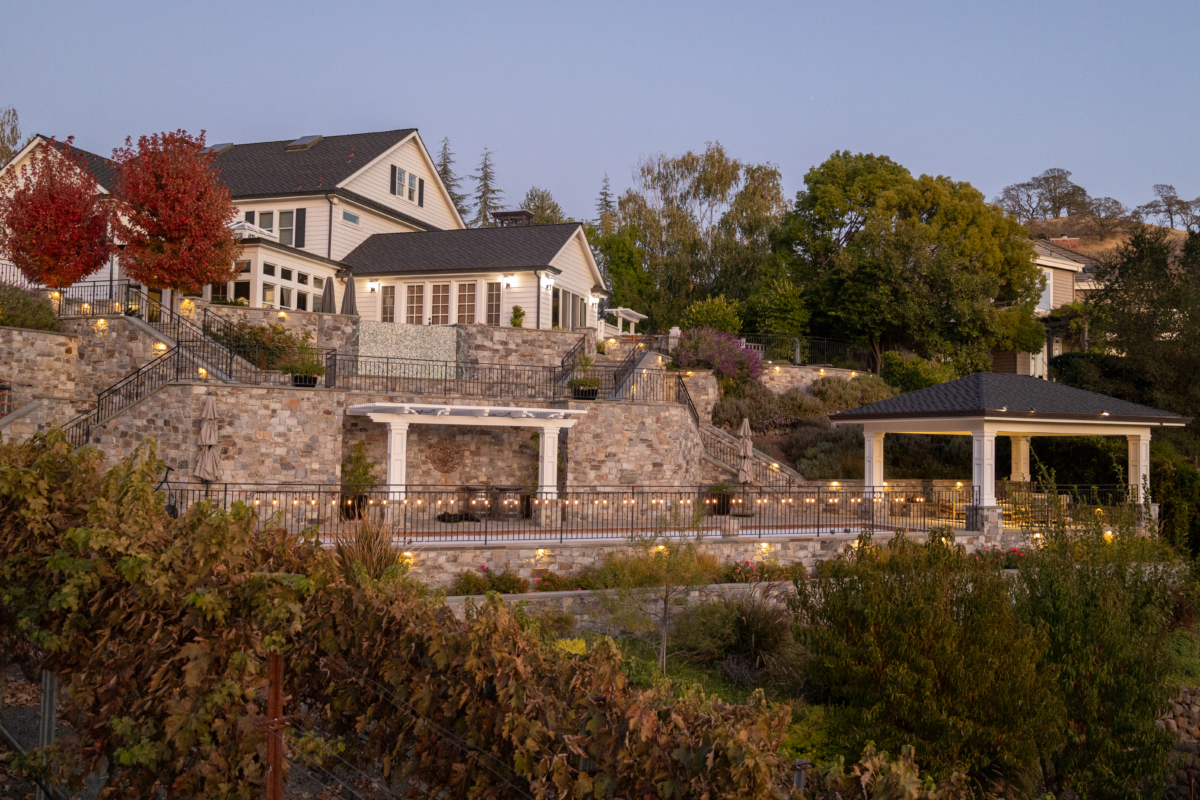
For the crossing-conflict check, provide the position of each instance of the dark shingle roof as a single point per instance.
(1050, 250)
(470, 250)
(269, 168)
(1001, 395)
(102, 169)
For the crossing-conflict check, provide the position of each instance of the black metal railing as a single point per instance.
(764, 470)
(430, 515)
(571, 360)
(1031, 505)
(805, 351)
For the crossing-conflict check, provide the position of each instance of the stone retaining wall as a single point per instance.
(109, 349)
(705, 392)
(280, 434)
(780, 378)
(438, 565)
(427, 342)
(38, 364)
(329, 331)
(481, 344)
(1183, 719)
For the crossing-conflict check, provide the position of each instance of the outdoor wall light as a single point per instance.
(203, 372)
(765, 546)
(1108, 536)
(777, 369)
(541, 552)
(160, 347)
(282, 315)
(101, 324)
(690, 373)
(853, 374)
(372, 286)
(958, 484)
(186, 306)
(822, 371)
(835, 484)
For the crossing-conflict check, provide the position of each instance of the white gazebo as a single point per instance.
(398, 416)
(986, 405)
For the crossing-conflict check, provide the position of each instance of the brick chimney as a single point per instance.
(1069, 242)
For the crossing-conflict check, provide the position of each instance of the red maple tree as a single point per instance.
(175, 213)
(54, 221)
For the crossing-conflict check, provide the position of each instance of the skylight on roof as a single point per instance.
(217, 149)
(304, 142)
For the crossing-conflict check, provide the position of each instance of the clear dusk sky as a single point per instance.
(563, 92)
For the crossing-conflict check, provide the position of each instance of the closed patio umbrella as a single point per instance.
(328, 302)
(208, 465)
(745, 453)
(349, 305)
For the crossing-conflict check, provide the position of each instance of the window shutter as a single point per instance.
(393, 186)
(250, 217)
(421, 192)
(299, 235)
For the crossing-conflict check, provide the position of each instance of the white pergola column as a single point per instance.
(1139, 463)
(548, 462)
(397, 461)
(1020, 459)
(873, 462)
(983, 467)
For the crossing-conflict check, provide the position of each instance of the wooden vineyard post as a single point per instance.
(274, 726)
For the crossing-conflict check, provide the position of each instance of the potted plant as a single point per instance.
(584, 387)
(358, 477)
(518, 317)
(720, 496)
(303, 363)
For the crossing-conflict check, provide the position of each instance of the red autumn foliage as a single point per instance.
(53, 219)
(175, 213)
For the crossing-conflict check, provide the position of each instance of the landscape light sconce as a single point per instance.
(186, 306)
(282, 315)
(822, 372)
(101, 324)
(203, 373)
(372, 286)
(160, 347)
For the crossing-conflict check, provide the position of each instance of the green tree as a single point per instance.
(606, 207)
(697, 222)
(715, 312)
(546, 211)
(921, 262)
(778, 308)
(1049, 195)
(487, 195)
(1167, 205)
(453, 183)
(10, 134)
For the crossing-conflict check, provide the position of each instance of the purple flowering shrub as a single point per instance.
(709, 348)
(768, 412)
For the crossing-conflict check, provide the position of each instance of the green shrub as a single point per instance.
(765, 571)
(1106, 608)
(839, 394)
(715, 312)
(517, 319)
(749, 627)
(485, 579)
(922, 646)
(358, 471)
(822, 451)
(908, 373)
(778, 309)
(22, 309)
(768, 412)
(553, 582)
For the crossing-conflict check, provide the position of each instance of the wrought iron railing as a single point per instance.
(804, 351)
(764, 470)
(571, 360)
(1031, 505)
(425, 515)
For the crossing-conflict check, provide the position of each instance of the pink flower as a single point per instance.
(483, 566)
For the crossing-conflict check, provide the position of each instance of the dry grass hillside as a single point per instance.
(1091, 243)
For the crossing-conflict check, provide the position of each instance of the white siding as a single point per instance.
(577, 276)
(259, 255)
(347, 235)
(316, 218)
(375, 184)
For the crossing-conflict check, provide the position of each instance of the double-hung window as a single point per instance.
(439, 308)
(412, 188)
(493, 304)
(285, 297)
(387, 308)
(268, 295)
(266, 220)
(414, 312)
(286, 227)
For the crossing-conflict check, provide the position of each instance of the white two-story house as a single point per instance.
(368, 210)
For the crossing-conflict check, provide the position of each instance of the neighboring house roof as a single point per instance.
(1000, 395)
(469, 250)
(102, 169)
(269, 168)
(1055, 255)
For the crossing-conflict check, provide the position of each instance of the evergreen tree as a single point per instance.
(487, 196)
(545, 209)
(606, 209)
(453, 183)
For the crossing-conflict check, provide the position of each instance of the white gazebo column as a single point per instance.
(873, 462)
(1020, 459)
(1139, 463)
(983, 467)
(548, 462)
(397, 462)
